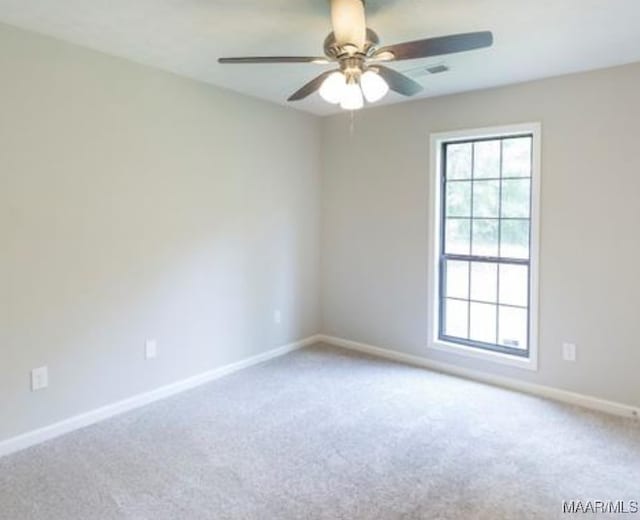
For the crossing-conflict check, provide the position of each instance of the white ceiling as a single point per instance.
(533, 38)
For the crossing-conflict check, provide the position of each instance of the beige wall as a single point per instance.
(376, 224)
(135, 204)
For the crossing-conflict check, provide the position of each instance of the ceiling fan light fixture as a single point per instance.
(333, 87)
(353, 47)
(373, 86)
(352, 97)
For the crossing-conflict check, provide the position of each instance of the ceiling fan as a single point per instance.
(362, 74)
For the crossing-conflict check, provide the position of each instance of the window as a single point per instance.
(485, 246)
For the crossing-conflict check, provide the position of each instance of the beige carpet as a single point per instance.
(326, 434)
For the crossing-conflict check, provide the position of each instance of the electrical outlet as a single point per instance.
(39, 378)
(151, 349)
(277, 317)
(569, 352)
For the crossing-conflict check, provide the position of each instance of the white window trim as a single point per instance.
(437, 139)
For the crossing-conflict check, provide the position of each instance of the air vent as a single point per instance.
(437, 68)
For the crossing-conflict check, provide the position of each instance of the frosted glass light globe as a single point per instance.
(352, 97)
(373, 86)
(332, 88)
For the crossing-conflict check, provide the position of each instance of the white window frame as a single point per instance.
(437, 140)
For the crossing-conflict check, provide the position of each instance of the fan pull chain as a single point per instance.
(352, 123)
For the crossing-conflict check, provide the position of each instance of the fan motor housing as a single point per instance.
(336, 52)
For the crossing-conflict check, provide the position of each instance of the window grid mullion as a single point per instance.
(454, 217)
(486, 259)
(499, 246)
(473, 176)
(528, 177)
(486, 302)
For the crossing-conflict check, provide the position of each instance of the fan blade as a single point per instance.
(349, 24)
(275, 59)
(398, 82)
(310, 87)
(437, 46)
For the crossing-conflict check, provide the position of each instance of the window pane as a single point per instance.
(457, 279)
(486, 198)
(486, 159)
(512, 327)
(484, 282)
(483, 322)
(516, 157)
(485, 237)
(457, 236)
(515, 198)
(486, 210)
(514, 284)
(459, 161)
(456, 318)
(459, 199)
(514, 239)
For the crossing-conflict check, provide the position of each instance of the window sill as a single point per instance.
(529, 363)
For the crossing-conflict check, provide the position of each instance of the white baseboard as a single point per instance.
(556, 394)
(46, 433)
(77, 422)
